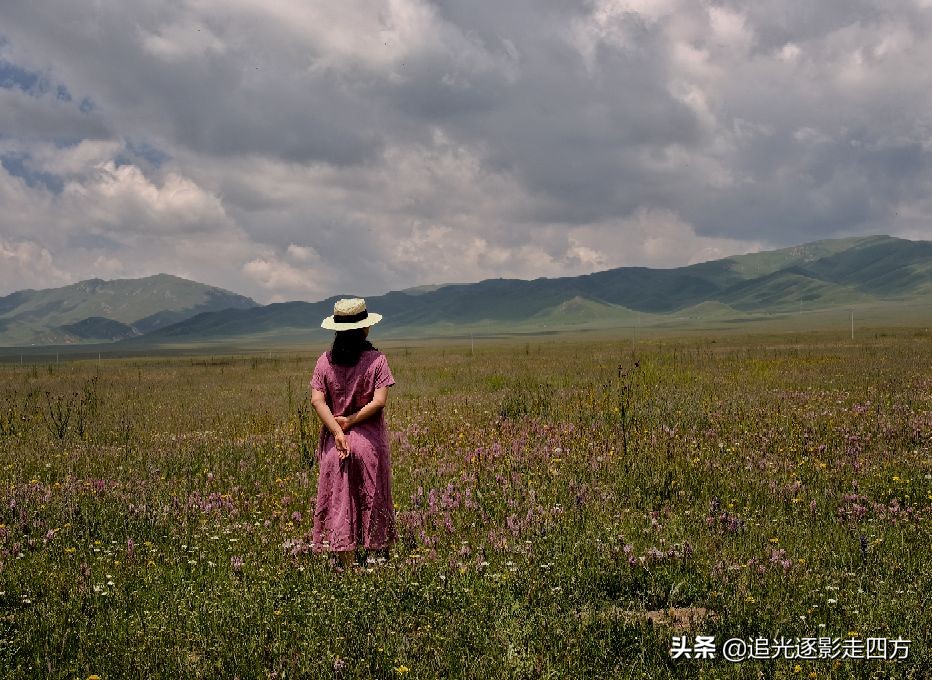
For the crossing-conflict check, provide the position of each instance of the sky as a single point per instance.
(293, 150)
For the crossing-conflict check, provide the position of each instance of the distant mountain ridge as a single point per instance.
(823, 275)
(818, 275)
(102, 311)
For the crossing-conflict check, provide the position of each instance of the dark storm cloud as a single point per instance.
(229, 99)
(571, 131)
(778, 22)
(454, 140)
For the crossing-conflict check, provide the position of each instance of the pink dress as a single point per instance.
(354, 496)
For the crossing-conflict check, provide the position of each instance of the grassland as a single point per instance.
(556, 497)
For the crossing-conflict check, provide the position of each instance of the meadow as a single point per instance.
(566, 506)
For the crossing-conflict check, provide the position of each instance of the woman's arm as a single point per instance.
(379, 397)
(319, 402)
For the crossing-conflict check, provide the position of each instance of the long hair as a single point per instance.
(348, 346)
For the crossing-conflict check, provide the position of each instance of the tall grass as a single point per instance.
(553, 500)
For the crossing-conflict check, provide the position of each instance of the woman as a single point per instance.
(349, 389)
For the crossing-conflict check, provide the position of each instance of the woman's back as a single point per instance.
(349, 388)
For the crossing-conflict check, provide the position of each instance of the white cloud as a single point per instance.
(730, 28)
(790, 52)
(656, 238)
(123, 199)
(274, 274)
(302, 253)
(26, 264)
(108, 266)
(71, 161)
(186, 38)
(453, 141)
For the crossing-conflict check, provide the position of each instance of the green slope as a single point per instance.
(100, 329)
(709, 310)
(821, 275)
(789, 289)
(755, 265)
(876, 272)
(580, 310)
(882, 267)
(44, 316)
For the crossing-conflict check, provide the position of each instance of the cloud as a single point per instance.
(288, 149)
(274, 274)
(297, 273)
(114, 220)
(123, 200)
(46, 117)
(26, 264)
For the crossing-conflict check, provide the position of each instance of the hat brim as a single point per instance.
(332, 325)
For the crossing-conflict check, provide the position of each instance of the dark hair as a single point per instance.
(348, 346)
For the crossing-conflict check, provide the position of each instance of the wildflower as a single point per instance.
(402, 669)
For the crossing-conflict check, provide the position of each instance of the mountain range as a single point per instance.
(104, 311)
(867, 273)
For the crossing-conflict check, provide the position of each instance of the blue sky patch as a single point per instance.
(16, 77)
(36, 84)
(67, 142)
(147, 152)
(17, 164)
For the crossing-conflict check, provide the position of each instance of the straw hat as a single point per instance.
(350, 313)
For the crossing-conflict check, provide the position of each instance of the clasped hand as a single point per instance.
(342, 443)
(340, 437)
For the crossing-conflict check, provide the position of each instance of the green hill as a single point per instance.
(789, 289)
(875, 270)
(68, 314)
(755, 265)
(881, 267)
(98, 328)
(888, 275)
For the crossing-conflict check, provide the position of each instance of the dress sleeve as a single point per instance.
(320, 369)
(383, 374)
